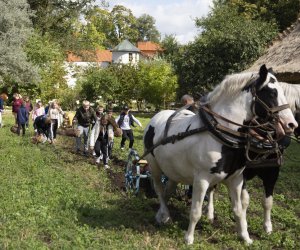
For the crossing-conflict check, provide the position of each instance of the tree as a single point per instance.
(98, 82)
(56, 16)
(229, 43)
(128, 84)
(60, 18)
(171, 48)
(146, 27)
(15, 28)
(282, 12)
(88, 37)
(101, 20)
(124, 25)
(153, 81)
(48, 56)
(157, 82)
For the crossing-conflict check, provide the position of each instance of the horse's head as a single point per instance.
(269, 102)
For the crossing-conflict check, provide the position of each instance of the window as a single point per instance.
(130, 57)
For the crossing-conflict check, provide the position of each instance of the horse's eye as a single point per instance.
(274, 93)
(272, 80)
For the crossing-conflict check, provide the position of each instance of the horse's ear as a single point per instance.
(270, 70)
(263, 72)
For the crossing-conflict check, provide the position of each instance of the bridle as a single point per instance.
(272, 113)
(258, 137)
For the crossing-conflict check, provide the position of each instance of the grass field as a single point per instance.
(52, 198)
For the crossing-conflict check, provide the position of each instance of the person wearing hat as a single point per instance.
(125, 120)
(85, 117)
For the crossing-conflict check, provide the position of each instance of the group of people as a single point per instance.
(45, 120)
(97, 128)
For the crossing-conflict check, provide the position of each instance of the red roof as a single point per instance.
(149, 46)
(149, 49)
(104, 55)
(101, 56)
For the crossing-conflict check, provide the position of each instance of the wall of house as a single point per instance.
(74, 68)
(124, 57)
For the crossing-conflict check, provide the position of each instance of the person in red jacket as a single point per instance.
(16, 104)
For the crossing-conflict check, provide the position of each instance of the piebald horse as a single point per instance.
(269, 175)
(201, 159)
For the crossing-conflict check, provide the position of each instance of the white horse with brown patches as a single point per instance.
(201, 159)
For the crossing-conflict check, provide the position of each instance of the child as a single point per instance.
(125, 120)
(54, 113)
(38, 110)
(101, 135)
(22, 118)
(42, 125)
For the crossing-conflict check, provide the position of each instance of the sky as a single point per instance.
(173, 17)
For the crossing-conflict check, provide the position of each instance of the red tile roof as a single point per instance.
(104, 55)
(148, 49)
(149, 46)
(101, 56)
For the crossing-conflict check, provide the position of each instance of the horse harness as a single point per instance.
(256, 138)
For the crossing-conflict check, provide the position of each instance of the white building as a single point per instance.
(125, 53)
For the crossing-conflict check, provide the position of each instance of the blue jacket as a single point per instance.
(1, 104)
(22, 115)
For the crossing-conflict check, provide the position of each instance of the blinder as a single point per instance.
(272, 112)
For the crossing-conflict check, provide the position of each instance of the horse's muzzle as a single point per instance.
(283, 129)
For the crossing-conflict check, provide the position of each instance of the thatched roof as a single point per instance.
(283, 55)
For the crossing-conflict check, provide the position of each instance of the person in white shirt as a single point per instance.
(125, 120)
(55, 113)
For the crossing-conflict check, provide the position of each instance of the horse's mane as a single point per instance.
(292, 93)
(231, 85)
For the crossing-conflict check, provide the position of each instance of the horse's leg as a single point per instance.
(162, 215)
(235, 190)
(170, 189)
(200, 187)
(210, 204)
(269, 182)
(245, 198)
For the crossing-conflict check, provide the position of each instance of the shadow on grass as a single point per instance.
(135, 213)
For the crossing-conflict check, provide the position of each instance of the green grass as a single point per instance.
(52, 198)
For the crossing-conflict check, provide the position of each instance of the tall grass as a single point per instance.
(52, 198)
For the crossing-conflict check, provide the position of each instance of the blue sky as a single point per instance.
(172, 16)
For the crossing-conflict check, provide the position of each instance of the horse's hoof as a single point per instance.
(248, 241)
(189, 239)
(162, 218)
(211, 220)
(268, 229)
